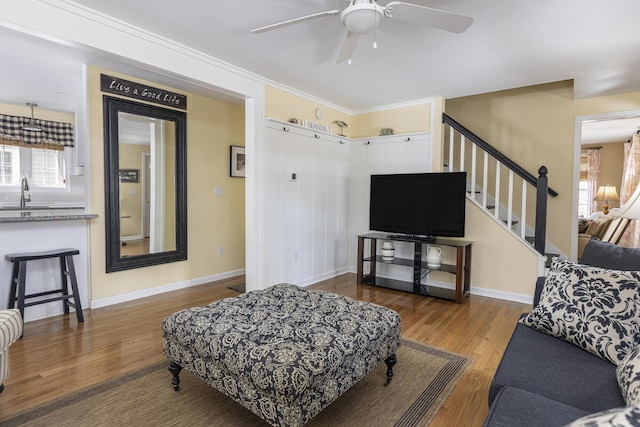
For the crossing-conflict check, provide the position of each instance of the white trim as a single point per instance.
(508, 296)
(323, 277)
(425, 101)
(104, 302)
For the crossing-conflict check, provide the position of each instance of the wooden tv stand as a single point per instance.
(461, 268)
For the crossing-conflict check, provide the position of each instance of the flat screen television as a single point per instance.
(419, 205)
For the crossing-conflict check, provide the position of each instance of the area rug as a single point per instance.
(424, 377)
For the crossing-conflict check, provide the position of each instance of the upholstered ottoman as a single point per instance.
(285, 352)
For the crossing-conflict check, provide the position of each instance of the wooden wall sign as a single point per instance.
(142, 92)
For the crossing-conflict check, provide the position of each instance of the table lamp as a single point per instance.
(606, 194)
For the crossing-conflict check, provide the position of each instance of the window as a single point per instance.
(45, 168)
(584, 204)
(9, 165)
(583, 199)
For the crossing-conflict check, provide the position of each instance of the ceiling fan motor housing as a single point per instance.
(362, 16)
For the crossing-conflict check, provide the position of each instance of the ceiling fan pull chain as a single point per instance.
(375, 29)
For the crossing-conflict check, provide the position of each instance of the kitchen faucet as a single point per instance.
(24, 186)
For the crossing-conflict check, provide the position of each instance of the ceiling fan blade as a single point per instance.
(422, 15)
(348, 46)
(295, 21)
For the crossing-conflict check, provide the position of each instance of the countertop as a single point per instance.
(53, 214)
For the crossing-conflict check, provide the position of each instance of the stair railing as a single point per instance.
(540, 184)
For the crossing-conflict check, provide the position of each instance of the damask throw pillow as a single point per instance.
(628, 375)
(628, 416)
(591, 307)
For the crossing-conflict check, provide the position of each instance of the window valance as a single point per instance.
(52, 135)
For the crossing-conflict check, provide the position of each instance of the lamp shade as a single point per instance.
(607, 193)
(362, 18)
(631, 209)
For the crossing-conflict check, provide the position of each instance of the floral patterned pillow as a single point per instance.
(628, 375)
(628, 416)
(593, 308)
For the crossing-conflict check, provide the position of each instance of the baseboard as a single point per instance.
(508, 296)
(320, 278)
(104, 302)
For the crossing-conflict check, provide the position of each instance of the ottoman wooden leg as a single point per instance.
(390, 361)
(175, 369)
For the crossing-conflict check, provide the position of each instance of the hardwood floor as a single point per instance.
(134, 247)
(58, 356)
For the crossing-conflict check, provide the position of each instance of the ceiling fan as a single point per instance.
(363, 16)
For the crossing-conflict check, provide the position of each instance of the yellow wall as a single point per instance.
(409, 119)
(283, 106)
(212, 126)
(499, 262)
(535, 126)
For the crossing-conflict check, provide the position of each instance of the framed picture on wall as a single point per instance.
(237, 161)
(129, 175)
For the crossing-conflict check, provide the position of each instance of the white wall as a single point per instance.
(306, 219)
(382, 155)
(44, 275)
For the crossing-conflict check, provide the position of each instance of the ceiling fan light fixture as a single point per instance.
(362, 18)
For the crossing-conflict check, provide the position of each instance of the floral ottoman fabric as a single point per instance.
(285, 352)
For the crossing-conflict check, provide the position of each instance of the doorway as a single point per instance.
(598, 130)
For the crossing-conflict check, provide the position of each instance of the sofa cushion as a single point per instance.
(520, 408)
(593, 308)
(620, 417)
(608, 255)
(628, 375)
(558, 370)
(598, 226)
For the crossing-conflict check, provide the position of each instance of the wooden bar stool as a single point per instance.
(68, 275)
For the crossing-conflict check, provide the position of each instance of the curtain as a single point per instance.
(630, 179)
(19, 131)
(593, 177)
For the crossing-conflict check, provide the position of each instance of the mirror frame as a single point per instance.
(111, 107)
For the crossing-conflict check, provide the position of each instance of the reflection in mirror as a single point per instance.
(146, 182)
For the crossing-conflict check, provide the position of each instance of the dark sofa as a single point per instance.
(546, 381)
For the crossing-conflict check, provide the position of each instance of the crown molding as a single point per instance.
(425, 101)
(98, 18)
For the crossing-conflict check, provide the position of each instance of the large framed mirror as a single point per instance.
(145, 184)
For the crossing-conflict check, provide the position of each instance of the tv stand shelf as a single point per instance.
(461, 268)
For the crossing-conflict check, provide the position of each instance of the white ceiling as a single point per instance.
(510, 44)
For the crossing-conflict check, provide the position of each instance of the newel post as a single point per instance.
(541, 210)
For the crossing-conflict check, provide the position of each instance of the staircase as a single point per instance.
(500, 186)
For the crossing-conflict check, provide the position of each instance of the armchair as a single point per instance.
(605, 228)
(10, 330)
